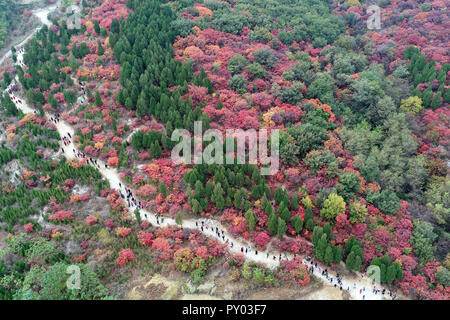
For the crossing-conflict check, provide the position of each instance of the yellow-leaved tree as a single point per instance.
(412, 105)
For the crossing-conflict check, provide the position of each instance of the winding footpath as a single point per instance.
(358, 288)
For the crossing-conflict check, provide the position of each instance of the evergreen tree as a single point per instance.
(268, 209)
(155, 150)
(308, 213)
(427, 95)
(238, 200)
(100, 50)
(162, 188)
(285, 214)
(6, 79)
(398, 271)
(209, 189)
(327, 230)
(279, 195)
(436, 102)
(220, 202)
(195, 206)
(294, 201)
(199, 191)
(328, 257)
(355, 257)
(273, 224)
(98, 100)
(264, 201)
(447, 96)
(96, 27)
(309, 224)
(298, 224)
(251, 219)
(317, 235)
(338, 254)
(390, 274)
(349, 244)
(350, 262)
(137, 214)
(321, 247)
(282, 227)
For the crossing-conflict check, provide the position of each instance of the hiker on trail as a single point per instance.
(62, 149)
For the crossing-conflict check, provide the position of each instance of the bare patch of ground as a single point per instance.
(157, 288)
(325, 293)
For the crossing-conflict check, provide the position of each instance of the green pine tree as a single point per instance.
(282, 227)
(273, 224)
(436, 102)
(321, 247)
(298, 224)
(294, 201)
(338, 254)
(328, 257)
(251, 219)
(98, 100)
(100, 50)
(309, 224)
